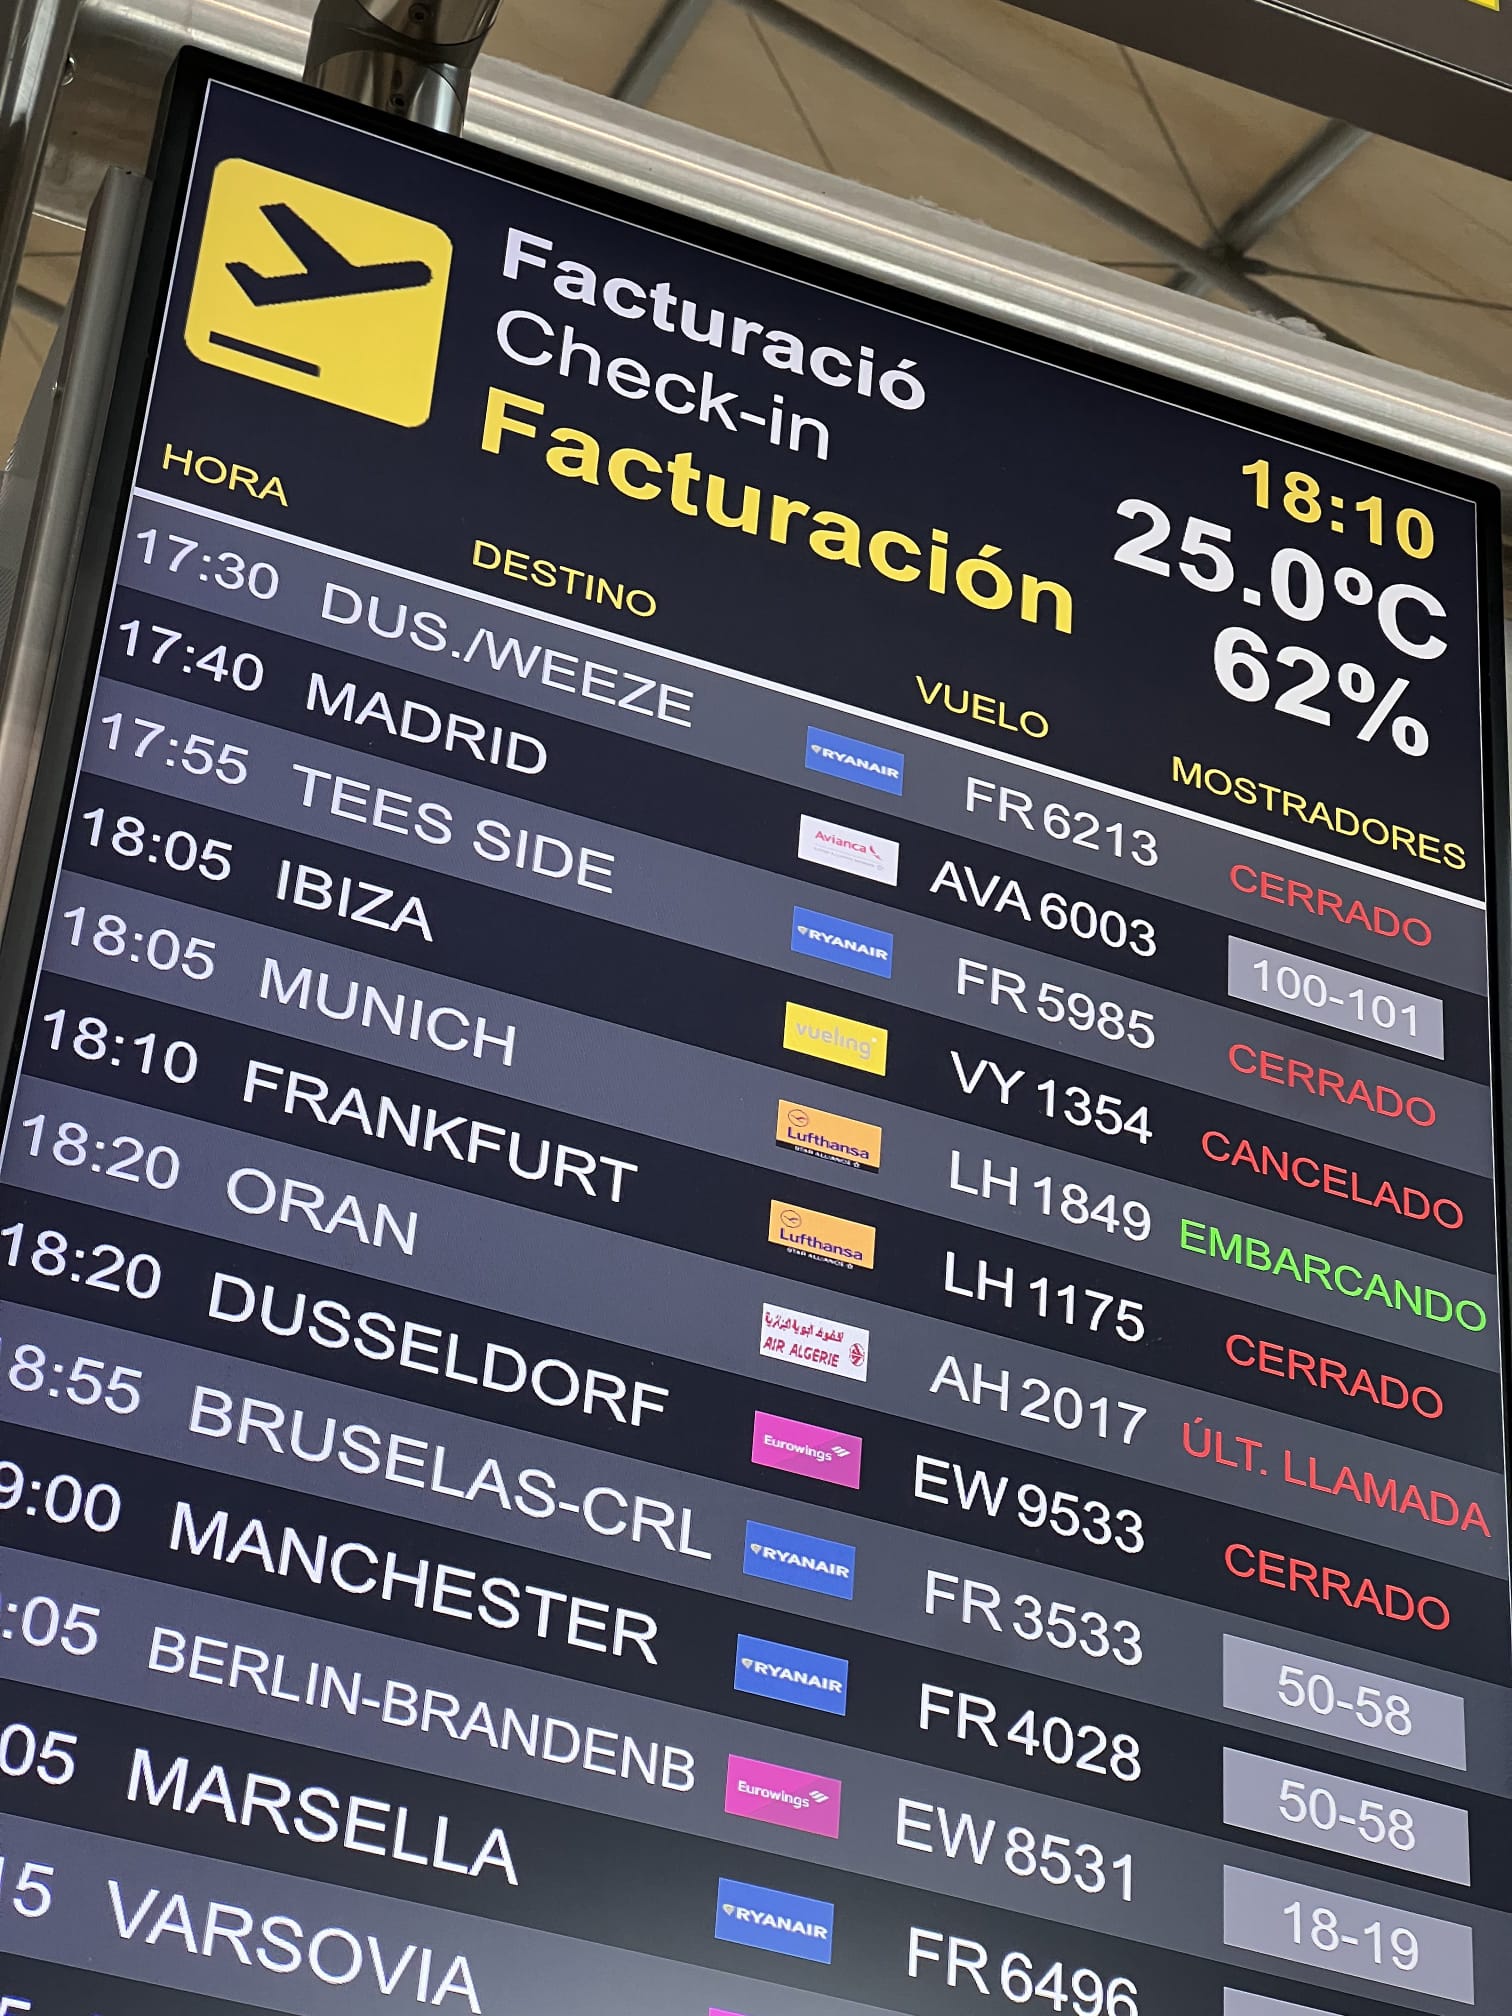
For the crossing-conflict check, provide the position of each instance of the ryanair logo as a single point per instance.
(818, 1236)
(842, 943)
(319, 292)
(861, 1045)
(857, 762)
(853, 1142)
(775, 1921)
(801, 1560)
(785, 1673)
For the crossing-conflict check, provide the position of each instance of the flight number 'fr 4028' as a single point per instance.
(974, 1718)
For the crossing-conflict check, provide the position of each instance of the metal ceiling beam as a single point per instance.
(660, 47)
(1329, 148)
(1169, 246)
(46, 310)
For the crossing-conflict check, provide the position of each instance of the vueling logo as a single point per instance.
(319, 292)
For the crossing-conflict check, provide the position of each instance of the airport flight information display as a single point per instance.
(749, 1239)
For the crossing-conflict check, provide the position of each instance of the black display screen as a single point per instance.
(751, 1229)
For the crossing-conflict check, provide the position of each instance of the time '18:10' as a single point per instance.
(93, 1042)
(1301, 497)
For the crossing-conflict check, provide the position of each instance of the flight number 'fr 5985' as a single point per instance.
(1055, 1003)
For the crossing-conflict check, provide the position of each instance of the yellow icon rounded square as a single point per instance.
(319, 292)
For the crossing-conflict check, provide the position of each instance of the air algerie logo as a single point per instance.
(319, 292)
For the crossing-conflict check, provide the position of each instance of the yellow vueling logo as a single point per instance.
(322, 293)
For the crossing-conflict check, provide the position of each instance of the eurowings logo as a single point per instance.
(805, 1451)
(319, 292)
(774, 1920)
(802, 1800)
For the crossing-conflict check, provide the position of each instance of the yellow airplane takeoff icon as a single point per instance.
(319, 292)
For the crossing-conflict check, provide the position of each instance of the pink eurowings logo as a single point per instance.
(798, 1799)
(806, 1451)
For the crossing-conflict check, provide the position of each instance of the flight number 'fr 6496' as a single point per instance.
(967, 1964)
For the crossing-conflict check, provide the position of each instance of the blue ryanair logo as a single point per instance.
(857, 762)
(773, 1554)
(843, 944)
(774, 1920)
(783, 1673)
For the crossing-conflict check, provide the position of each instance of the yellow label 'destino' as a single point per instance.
(821, 1237)
(830, 1134)
(319, 292)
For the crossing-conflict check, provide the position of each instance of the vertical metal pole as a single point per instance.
(659, 49)
(33, 56)
(69, 411)
(412, 58)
